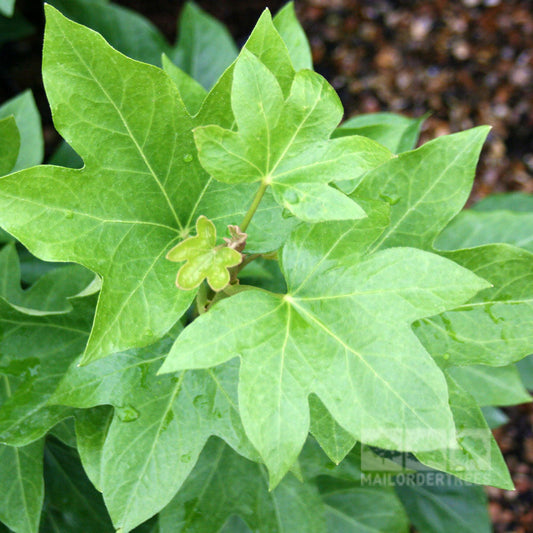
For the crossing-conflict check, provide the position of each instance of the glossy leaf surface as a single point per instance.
(326, 337)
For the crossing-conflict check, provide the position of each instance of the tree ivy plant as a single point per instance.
(268, 321)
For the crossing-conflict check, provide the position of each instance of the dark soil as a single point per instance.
(468, 62)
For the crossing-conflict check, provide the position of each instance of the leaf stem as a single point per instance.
(255, 204)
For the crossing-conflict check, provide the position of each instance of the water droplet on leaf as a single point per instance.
(393, 199)
(127, 413)
(185, 458)
(291, 197)
(187, 158)
(69, 214)
(200, 402)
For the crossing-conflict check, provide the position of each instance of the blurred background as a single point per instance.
(465, 62)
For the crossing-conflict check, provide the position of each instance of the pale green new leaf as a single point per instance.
(441, 503)
(426, 187)
(490, 385)
(9, 143)
(284, 143)
(160, 425)
(224, 484)
(346, 337)
(396, 132)
(203, 259)
(205, 47)
(478, 459)
(294, 37)
(28, 120)
(21, 480)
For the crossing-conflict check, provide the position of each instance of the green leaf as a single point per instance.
(21, 479)
(191, 92)
(65, 432)
(495, 417)
(35, 352)
(512, 201)
(208, 498)
(313, 202)
(7, 7)
(496, 327)
(267, 45)
(442, 503)
(284, 143)
(491, 385)
(525, 367)
(130, 142)
(479, 459)
(351, 507)
(49, 294)
(426, 187)
(205, 47)
(160, 425)
(10, 143)
(352, 501)
(346, 337)
(204, 260)
(124, 29)
(475, 228)
(396, 132)
(92, 426)
(14, 28)
(294, 37)
(71, 502)
(65, 156)
(227, 205)
(333, 439)
(28, 120)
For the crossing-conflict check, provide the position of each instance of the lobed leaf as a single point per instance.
(160, 425)
(426, 187)
(347, 339)
(284, 143)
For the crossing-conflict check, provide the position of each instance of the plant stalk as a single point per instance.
(253, 207)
